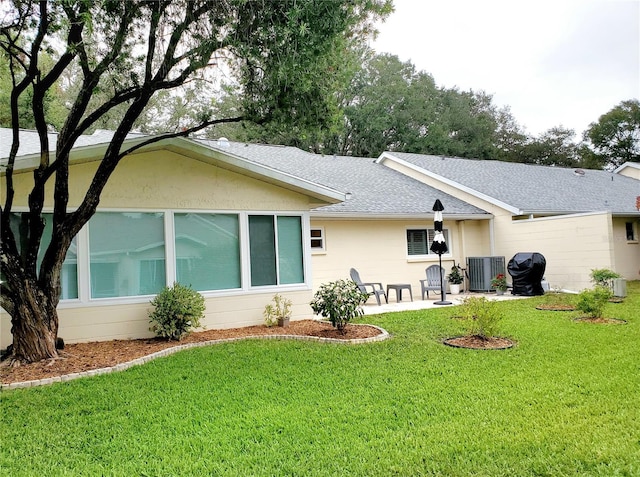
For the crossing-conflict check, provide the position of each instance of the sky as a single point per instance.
(552, 62)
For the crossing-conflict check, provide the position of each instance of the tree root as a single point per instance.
(10, 362)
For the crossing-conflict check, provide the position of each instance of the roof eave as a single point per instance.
(634, 165)
(379, 216)
(325, 195)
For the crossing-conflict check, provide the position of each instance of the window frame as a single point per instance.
(427, 231)
(321, 238)
(634, 231)
(278, 257)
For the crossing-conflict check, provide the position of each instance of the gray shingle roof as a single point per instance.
(374, 189)
(30, 142)
(536, 189)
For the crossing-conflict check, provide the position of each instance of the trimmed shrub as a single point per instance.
(177, 311)
(603, 277)
(592, 302)
(340, 301)
(482, 316)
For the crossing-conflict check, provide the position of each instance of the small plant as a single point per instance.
(278, 312)
(483, 316)
(177, 311)
(340, 302)
(592, 302)
(455, 277)
(603, 277)
(499, 282)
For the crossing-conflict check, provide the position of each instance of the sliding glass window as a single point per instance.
(276, 252)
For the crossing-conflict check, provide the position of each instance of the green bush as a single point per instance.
(603, 277)
(592, 302)
(177, 310)
(339, 301)
(482, 316)
(455, 277)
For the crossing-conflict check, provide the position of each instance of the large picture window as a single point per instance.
(208, 251)
(126, 254)
(419, 241)
(69, 272)
(276, 253)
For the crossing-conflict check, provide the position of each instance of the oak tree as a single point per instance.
(124, 54)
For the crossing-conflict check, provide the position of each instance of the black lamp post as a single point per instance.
(439, 246)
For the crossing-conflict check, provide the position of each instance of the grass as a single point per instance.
(564, 401)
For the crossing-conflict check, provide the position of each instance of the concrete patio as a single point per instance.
(371, 308)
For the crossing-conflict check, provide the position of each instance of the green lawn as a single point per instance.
(564, 401)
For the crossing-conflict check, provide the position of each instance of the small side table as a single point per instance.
(398, 287)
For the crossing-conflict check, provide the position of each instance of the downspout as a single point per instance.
(492, 238)
(463, 241)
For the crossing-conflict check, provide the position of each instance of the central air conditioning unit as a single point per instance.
(482, 269)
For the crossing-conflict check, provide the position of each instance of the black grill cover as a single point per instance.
(527, 270)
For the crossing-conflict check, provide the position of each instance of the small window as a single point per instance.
(419, 241)
(317, 240)
(631, 232)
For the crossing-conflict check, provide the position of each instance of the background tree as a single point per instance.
(125, 54)
(615, 137)
(554, 147)
(392, 106)
(53, 103)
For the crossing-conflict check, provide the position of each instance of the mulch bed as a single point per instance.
(80, 357)
(555, 307)
(479, 342)
(601, 321)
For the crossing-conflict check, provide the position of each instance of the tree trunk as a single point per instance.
(34, 327)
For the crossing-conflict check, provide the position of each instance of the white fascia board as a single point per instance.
(571, 213)
(562, 216)
(492, 200)
(318, 214)
(78, 155)
(633, 165)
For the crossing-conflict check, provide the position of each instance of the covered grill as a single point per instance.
(527, 270)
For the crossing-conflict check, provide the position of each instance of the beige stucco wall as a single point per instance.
(572, 246)
(378, 250)
(126, 321)
(169, 181)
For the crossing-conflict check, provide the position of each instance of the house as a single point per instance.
(241, 222)
(578, 219)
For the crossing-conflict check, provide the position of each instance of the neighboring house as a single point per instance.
(578, 219)
(629, 169)
(241, 222)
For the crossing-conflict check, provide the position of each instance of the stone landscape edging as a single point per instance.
(174, 349)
